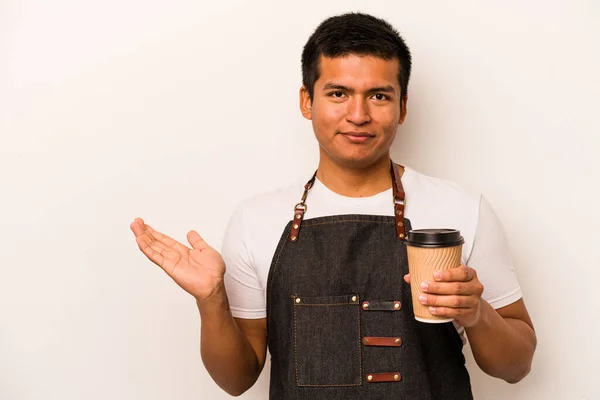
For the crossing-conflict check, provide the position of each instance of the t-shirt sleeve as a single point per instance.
(244, 289)
(492, 260)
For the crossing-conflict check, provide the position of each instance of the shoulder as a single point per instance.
(272, 205)
(258, 223)
(437, 203)
(263, 214)
(437, 191)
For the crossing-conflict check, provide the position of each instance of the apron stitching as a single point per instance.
(360, 363)
(322, 304)
(332, 385)
(295, 349)
(351, 220)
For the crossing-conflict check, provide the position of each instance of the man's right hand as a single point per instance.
(233, 351)
(199, 270)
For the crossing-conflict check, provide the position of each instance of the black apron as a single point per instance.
(339, 314)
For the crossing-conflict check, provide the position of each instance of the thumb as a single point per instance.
(407, 278)
(196, 241)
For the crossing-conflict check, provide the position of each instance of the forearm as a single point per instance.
(226, 352)
(502, 347)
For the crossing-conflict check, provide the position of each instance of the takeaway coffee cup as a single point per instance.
(430, 250)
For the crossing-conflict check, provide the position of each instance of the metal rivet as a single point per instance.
(298, 216)
(295, 226)
(397, 306)
(365, 305)
(365, 341)
(400, 224)
(353, 298)
(294, 238)
(396, 377)
(369, 377)
(399, 212)
(298, 300)
(398, 341)
(401, 235)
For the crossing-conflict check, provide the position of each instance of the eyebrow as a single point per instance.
(378, 89)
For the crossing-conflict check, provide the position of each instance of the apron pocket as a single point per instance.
(327, 347)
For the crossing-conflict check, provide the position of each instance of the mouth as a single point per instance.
(358, 134)
(357, 137)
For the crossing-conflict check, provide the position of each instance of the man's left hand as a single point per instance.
(454, 293)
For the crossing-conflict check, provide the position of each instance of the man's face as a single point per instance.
(355, 110)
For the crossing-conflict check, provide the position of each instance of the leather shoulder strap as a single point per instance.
(399, 204)
(300, 210)
(399, 200)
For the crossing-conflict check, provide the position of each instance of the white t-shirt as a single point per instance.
(256, 227)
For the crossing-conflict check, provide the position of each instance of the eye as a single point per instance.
(381, 97)
(336, 95)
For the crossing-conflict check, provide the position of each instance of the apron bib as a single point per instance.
(339, 314)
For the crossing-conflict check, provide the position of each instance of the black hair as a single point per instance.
(354, 33)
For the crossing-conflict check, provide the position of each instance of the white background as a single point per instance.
(176, 110)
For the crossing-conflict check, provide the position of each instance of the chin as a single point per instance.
(359, 161)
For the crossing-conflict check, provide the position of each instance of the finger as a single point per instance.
(150, 252)
(147, 242)
(163, 256)
(138, 227)
(145, 238)
(196, 241)
(448, 301)
(455, 313)
(449, 288)
(169, 241)
(458, 274)
(407, 278)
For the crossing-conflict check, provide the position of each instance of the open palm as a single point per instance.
(199, 270)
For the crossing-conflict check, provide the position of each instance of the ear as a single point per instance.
(305, 103)
(403, 109)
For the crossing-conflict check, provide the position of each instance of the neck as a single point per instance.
(355, 182)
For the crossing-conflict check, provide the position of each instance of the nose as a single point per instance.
(358, 111)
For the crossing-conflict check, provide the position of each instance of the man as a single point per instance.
(304, 288)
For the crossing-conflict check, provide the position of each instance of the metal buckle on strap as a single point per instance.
(301, 206)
